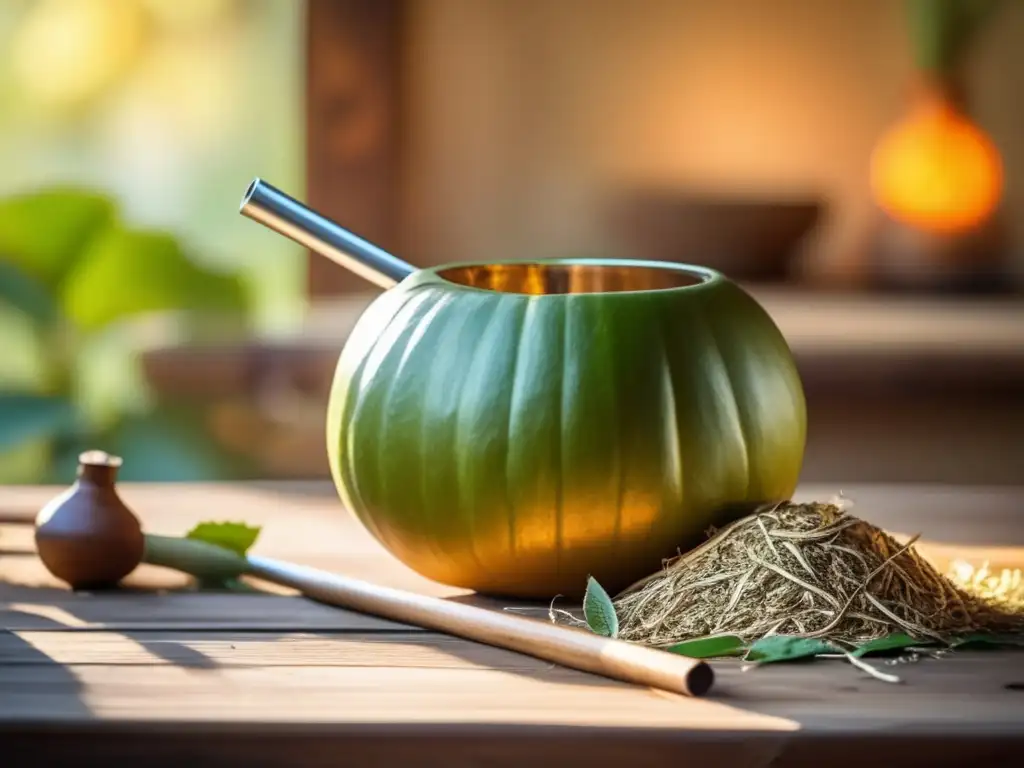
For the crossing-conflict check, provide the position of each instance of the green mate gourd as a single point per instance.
(514, 428)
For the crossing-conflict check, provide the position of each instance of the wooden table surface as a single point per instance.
(174, 678)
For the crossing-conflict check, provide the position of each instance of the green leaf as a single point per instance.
(942, 31)
(27, 464)
(599, 611)
(44, 232)
(128, 273)
(786, 648)
(709, 647)
(212, 552)
(212, 565)
(168, 445)
(225, 585)
(238, 537)
(982, 641)
(893, 642)
(26, 293)
(27, 417)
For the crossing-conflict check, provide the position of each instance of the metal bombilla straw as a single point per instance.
(287, 216)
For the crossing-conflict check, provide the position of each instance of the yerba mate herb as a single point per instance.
(806, 571)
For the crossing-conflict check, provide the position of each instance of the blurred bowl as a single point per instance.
(747, 239)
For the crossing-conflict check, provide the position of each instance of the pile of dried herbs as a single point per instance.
(796, 580)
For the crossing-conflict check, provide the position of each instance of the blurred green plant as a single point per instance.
(78, 278)
(943, 31)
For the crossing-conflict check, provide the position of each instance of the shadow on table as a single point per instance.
(27, 610)
(237, 644)
(33, 685)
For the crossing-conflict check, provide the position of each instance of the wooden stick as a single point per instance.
(567, 646)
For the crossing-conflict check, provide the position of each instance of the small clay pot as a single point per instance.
(87, 536)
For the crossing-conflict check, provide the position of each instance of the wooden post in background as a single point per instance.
(353, 95)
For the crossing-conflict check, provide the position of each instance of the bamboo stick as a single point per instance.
(570, 647)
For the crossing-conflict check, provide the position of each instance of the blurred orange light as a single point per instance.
(936, 170)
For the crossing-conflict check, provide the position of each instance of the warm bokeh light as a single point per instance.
(68, 52)
(937, 170)
(189, 87)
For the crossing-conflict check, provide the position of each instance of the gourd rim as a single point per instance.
(705, 277)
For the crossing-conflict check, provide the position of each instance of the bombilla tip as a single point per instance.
(249, 192)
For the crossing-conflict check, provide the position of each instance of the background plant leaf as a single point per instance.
(599, 611)
(26, 417)
(238, 537)
(26, 293)
(125, 273)
(27, 464)
(943, 31)
(893, 642)
(709, 647)
(168, 445)
(63, 460)
(224, 585)
(44, 232)
(777, 648)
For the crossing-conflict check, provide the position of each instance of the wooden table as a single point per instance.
(177, 679)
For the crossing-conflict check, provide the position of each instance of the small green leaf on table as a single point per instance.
(210, 563)
(777, 648)
(228, 585)
(211, 570)
(238, 537)
(982, 641)
(709, 647)
(599, 611)
(894, 642)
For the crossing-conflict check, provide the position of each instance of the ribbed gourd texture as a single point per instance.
(515, 444)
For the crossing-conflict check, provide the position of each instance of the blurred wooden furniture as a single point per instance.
(747, 238)
(354, 56)
(273, 679)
